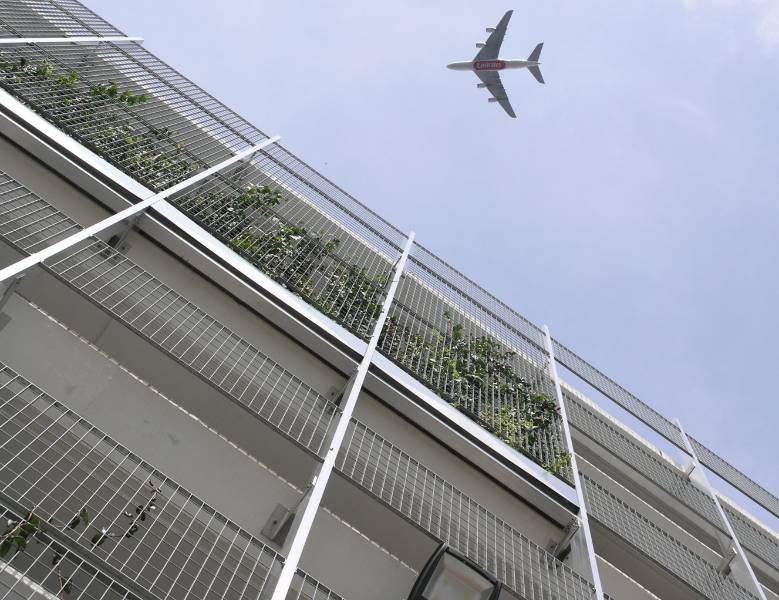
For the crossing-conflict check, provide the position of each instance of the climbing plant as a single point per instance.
(20, 534)
(476, 374)
(145, 152)
(303, 261)
(300, 259)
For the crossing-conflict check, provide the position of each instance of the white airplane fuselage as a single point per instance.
(496, 64)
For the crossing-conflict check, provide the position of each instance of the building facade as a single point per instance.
(221, 376)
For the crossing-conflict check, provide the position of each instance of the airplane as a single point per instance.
(487, 66)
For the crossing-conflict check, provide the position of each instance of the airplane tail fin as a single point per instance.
(534, 56)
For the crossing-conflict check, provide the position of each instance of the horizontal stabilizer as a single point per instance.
(537, 74)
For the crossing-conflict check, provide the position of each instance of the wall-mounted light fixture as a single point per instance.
(448, 575)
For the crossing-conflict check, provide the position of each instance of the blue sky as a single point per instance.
(632, 205)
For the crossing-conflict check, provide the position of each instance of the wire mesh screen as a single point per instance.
(638, 531)
(46, 568)
(260, 210)
(437, 507)
(169, 321)
(305, 587)
(36, 18)
(663, 426)
(127, 106)
(158, 127)
(647, 462)
(73, 479)
(464, 348)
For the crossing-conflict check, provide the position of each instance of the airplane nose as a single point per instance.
(450, 66)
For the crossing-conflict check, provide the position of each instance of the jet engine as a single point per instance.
(490, 29)
(480, 45)
(481, 85)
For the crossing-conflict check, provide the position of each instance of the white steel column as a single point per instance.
(723, 517)
(70, 40)
(583, 517)
(88, 232)
(326, 469)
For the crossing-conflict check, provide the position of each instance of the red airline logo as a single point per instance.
(489, 65)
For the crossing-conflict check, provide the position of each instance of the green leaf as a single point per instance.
(84, 516)
(98, 539)
(4, 548)
(75, 522)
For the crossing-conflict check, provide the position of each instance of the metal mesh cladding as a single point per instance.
(100, 498)
(638, 531)
(262, 211)
(32, 572)
(43, 18)
(100, 521)
(167, 320)
(127, 106)
(611, 389)
(468, 350)
(158, 127)
(647, 462)
(447, 514)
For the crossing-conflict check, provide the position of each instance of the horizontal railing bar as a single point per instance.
(76, 39)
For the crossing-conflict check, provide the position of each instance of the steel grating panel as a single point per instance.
(752, 536)
(141, 524)
(638, 531)
(126, 106)
(437, 507)
(305, 587)
(148, 121)
(663, 426)
(259, 211)
(35, 18)
(169, 321)
(467, 350)
(156, 535)
(165, 127)
(30, 573)
(670, 479)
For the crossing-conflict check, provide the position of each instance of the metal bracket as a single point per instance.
(563, 547)
(9, 290)
(723, 568)
(278, 525)
(118, 241)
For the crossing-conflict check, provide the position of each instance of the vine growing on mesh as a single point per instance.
(21, 535)
(300, 259)
(476, 375)
(303, 261)
(145, 152)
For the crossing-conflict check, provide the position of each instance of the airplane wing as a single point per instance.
(492, 45)
(495, 87)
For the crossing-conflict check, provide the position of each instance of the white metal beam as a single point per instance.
(326, 469)
(758, 589)
(583, 517)
(83, 39)
(88, 232)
